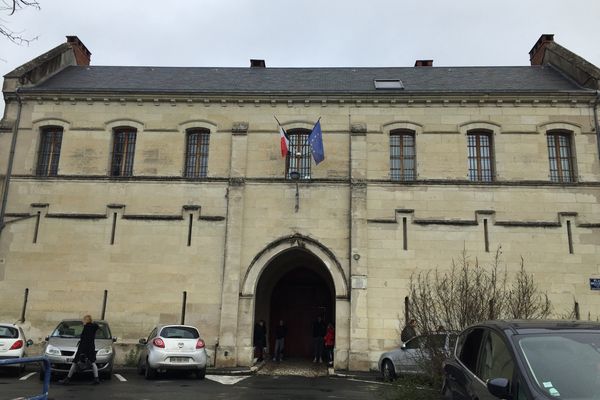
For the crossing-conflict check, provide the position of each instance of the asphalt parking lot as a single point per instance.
(127, 384)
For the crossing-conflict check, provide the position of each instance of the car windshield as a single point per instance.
(179, 332)
(73, 329)
(564, 365)
(8, 332)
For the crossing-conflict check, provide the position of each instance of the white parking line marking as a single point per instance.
(365, 381)
(120, 377)
(29, 375)
(226, 379)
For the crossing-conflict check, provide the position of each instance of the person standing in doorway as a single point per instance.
(329, 341)
(85, 357)
(409, 331)
(318, 334)
(280, 333)
(260, 340)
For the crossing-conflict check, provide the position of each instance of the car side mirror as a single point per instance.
(47, 338)
(500, 388)
(29, 342)
(114, 339)
(403, 347)
(143, 341)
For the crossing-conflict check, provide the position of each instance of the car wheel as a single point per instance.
(388, 373)
(149, 373)
(200, 373)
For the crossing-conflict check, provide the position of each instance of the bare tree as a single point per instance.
(8, 8)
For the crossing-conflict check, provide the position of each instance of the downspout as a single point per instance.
(11, 157)
(596, 122)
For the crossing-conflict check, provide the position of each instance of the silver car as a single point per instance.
(61, 346)
(13, 345)
(407, 358)
(172, 347)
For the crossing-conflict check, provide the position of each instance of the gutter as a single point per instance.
(11, 157)
(596, 122)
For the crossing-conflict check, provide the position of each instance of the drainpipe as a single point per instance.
(11, 157)
(596, 122)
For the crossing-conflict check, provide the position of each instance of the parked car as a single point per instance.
(172, 347)
(525, 360)
(13, 344)
(407, 359)
(61, 346)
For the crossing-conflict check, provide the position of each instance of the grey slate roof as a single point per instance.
(305, 80)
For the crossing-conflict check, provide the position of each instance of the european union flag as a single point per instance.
(315, 139)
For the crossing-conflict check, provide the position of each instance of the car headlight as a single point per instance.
(54, 351)
(104, 352)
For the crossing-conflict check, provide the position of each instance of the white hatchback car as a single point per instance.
(172, 347)
(13, 345)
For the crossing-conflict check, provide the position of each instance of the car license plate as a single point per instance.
(179, 359)
(69, 359)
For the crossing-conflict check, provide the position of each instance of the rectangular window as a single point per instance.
(402, 156)
(123, 152)
(561, 157)
(480, 157)
(49, 152)
(298, 158)
(196, 159)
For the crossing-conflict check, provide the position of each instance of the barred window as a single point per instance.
(298, 158)
(402, 155)
(123, 152)
(560, 155)
(480, 157)
(196, 158)
(49, 151)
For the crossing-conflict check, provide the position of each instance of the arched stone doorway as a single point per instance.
(322, 262)
(295, 287)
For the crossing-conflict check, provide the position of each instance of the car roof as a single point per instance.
(159, 327)
(8, 324)
(101, 321)
(539, 326)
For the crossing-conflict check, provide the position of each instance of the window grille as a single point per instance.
(123, 152)
(196, 159)
(298, 158)
(49, 151)
(402, 156)
(480, 157)
(561, 157)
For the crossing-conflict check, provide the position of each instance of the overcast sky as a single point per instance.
(305, 32)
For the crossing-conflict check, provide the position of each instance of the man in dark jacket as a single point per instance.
(318, 333)
(260, 339)
(280, 333)
(86, 351)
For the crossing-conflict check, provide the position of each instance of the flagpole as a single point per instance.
(279, 123)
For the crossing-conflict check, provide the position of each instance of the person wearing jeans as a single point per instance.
(280, 333)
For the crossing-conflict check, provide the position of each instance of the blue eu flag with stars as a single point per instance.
(315, 139)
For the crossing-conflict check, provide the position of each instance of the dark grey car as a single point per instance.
(61, 346)
(525, 360)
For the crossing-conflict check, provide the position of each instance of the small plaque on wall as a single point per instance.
(595, 283)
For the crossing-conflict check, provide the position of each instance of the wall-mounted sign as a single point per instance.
(595, 283)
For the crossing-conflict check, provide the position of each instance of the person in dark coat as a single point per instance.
(318, 334)
(86, 351)
(260, 340)
(409, 331)
(280, 333)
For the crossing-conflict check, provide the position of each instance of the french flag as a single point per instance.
(285, 143)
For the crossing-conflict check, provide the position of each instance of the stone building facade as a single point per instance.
(150, 182)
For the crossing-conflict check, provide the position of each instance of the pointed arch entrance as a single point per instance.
(296, 279)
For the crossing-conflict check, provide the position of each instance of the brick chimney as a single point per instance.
(258, 64)
(82, 54)
(536, 54)
(424, 63)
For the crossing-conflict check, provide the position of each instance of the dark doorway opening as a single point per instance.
(295, 287)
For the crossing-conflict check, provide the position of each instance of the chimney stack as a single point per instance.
(536, 54)
(258, 64)
(424, 63)
(82, 54)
